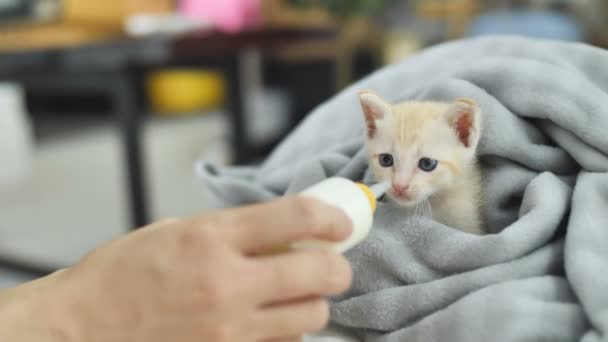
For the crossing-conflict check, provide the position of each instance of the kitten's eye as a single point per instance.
(385, 159)
(427, 164)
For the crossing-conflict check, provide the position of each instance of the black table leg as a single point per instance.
(129, 119)
(236, 111)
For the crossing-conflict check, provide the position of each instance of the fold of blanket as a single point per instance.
(543, 273)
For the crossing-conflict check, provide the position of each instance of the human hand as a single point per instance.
(207, 278)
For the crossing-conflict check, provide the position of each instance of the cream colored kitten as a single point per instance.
(427, 151)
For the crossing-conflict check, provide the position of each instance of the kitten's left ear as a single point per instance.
(464, 115)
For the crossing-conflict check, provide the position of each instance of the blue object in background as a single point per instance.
(538, 24)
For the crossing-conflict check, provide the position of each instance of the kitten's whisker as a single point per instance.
(428, 205)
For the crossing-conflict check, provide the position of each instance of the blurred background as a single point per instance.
(106, 105)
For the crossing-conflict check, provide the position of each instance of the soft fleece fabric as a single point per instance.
(542, 275)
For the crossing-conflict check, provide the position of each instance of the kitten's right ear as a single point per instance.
(375, 109)
(464, 115)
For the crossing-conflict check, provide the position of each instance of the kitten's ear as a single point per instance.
(375, 109)
(464, 115)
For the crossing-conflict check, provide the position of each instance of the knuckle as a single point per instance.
(217, 295)
(310, 211)
(195, 235)
(185, 240)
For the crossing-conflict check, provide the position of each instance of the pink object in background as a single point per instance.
(227, 15)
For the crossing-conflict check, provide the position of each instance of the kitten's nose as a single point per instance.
(400, 189)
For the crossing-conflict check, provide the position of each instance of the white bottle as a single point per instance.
(356, 200)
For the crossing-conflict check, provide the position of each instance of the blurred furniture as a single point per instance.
(533, 23)
(352, 38)
(116, 69)
(353, 52)
(279, 13)
(31, 11)
(65, 23)
(456, 13)
(592, 14)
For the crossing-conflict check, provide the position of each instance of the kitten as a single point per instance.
(427, 151)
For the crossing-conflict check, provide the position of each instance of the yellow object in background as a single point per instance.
(184, 91)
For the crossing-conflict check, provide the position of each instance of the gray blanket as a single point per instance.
(543, 273)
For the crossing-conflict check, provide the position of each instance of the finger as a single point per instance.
(295, 319)
(274, 224)
(301, 274)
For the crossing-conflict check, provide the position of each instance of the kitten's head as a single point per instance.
(422, 148)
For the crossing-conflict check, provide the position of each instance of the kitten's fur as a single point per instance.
(448, 134)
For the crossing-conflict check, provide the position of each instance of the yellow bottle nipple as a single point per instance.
(370, 195)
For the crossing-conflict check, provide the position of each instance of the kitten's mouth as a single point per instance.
(405, 199)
